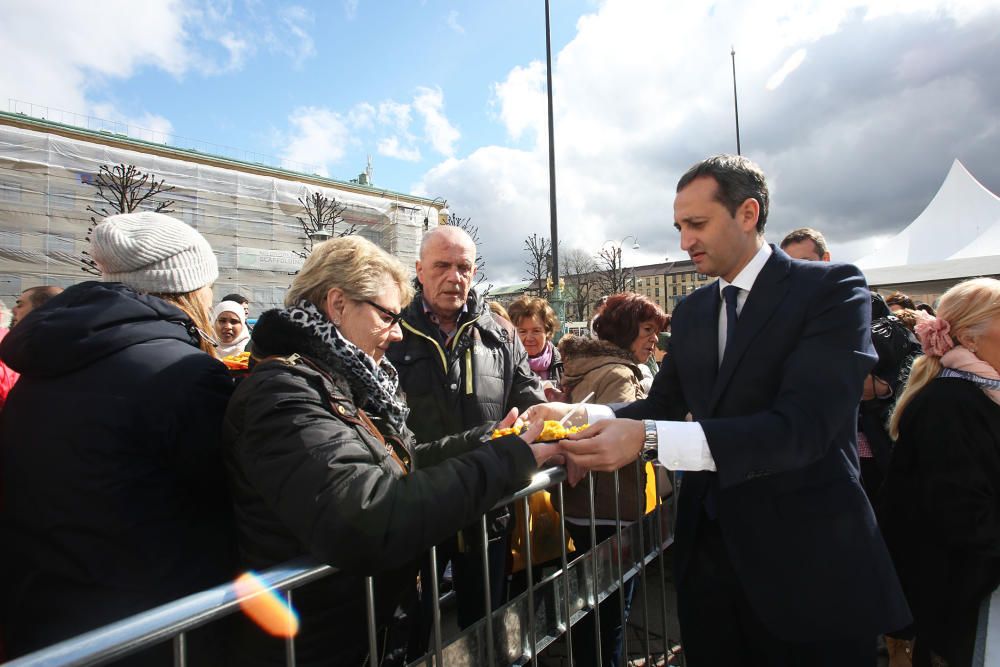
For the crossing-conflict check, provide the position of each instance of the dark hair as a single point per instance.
(39, 296)
(926, 307)
(900, 299)
(737, 178)
(238, 298)
(532, 306)
(618, 321)
(806, 233)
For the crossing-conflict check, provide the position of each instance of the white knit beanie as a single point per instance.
(152, 252)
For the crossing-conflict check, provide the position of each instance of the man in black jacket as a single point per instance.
(460, 368)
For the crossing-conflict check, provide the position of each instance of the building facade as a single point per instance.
(248, 212)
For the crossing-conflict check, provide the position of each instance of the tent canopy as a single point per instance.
(962, 222)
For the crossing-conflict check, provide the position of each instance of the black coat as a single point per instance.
(940, 511)
(114, 492)
(313, 474)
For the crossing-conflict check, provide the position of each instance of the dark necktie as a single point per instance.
(729, 295)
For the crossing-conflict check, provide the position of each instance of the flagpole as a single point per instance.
(736, 104)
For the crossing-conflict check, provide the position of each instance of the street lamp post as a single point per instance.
(443, 211)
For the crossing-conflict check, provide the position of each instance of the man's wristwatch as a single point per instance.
(650, 444)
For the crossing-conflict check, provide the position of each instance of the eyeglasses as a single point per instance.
(395, 317)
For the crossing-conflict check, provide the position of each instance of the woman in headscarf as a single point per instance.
(229, 321)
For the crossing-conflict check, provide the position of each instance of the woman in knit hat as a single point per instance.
(114, 495)
(941, 498)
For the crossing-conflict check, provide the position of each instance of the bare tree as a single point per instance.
(473, 232)
(123, 188)
(539, 262)
(612, 277)
(581, 283)
(323, 215)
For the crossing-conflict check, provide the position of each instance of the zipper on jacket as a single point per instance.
(437, 346)
(468, 371)
(444, 361)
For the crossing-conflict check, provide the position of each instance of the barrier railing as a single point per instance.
(510, 635)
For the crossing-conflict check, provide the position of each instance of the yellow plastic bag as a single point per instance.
(544, 526)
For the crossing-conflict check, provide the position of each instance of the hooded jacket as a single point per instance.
(114, 488)
(594, 365)
(314, 474)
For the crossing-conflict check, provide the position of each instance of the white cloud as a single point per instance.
(452, 22)
(299, 43)
(390, 147)
(438, 130)
(71, 70)
(855, 143)
(394, 114)
(238, 49)
(522, 101)
(319, 138)
(48, 54)
(789, 66)
(362, 116)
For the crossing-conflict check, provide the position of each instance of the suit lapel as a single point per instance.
(766, 295)
(702, 351)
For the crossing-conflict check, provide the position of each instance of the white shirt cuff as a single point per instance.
(596, 413)
(683, 446)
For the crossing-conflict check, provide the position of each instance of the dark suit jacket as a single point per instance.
(780, 418)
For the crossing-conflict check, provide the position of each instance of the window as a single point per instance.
(657, 292)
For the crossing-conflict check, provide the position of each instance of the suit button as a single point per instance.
(340, 409)
(454, 387)
(406, 358)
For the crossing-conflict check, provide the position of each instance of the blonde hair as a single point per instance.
(195, 309)
(968, 308)
(352, 263)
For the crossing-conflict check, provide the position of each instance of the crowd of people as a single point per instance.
(840, 451)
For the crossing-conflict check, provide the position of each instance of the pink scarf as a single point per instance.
(540, 364)
(936, 339)
(961, 359)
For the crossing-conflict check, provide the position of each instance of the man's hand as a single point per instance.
(551, 411)
(512, 420)
(607, 445)
(545, 452)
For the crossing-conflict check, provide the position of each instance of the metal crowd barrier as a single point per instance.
(510, 635)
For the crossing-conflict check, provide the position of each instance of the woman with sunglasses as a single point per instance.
(322, 463)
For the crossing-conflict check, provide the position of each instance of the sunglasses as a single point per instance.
(395, 317)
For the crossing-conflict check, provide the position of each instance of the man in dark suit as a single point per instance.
(778, 558)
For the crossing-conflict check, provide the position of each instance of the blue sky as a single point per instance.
(855, 109)
(337, 56)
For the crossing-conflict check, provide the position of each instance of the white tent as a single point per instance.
(956, 236)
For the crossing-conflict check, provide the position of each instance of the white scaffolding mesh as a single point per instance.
(46, 184)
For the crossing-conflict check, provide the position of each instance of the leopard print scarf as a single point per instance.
(374, 385)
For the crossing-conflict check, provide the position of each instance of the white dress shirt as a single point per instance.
(683, 445)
